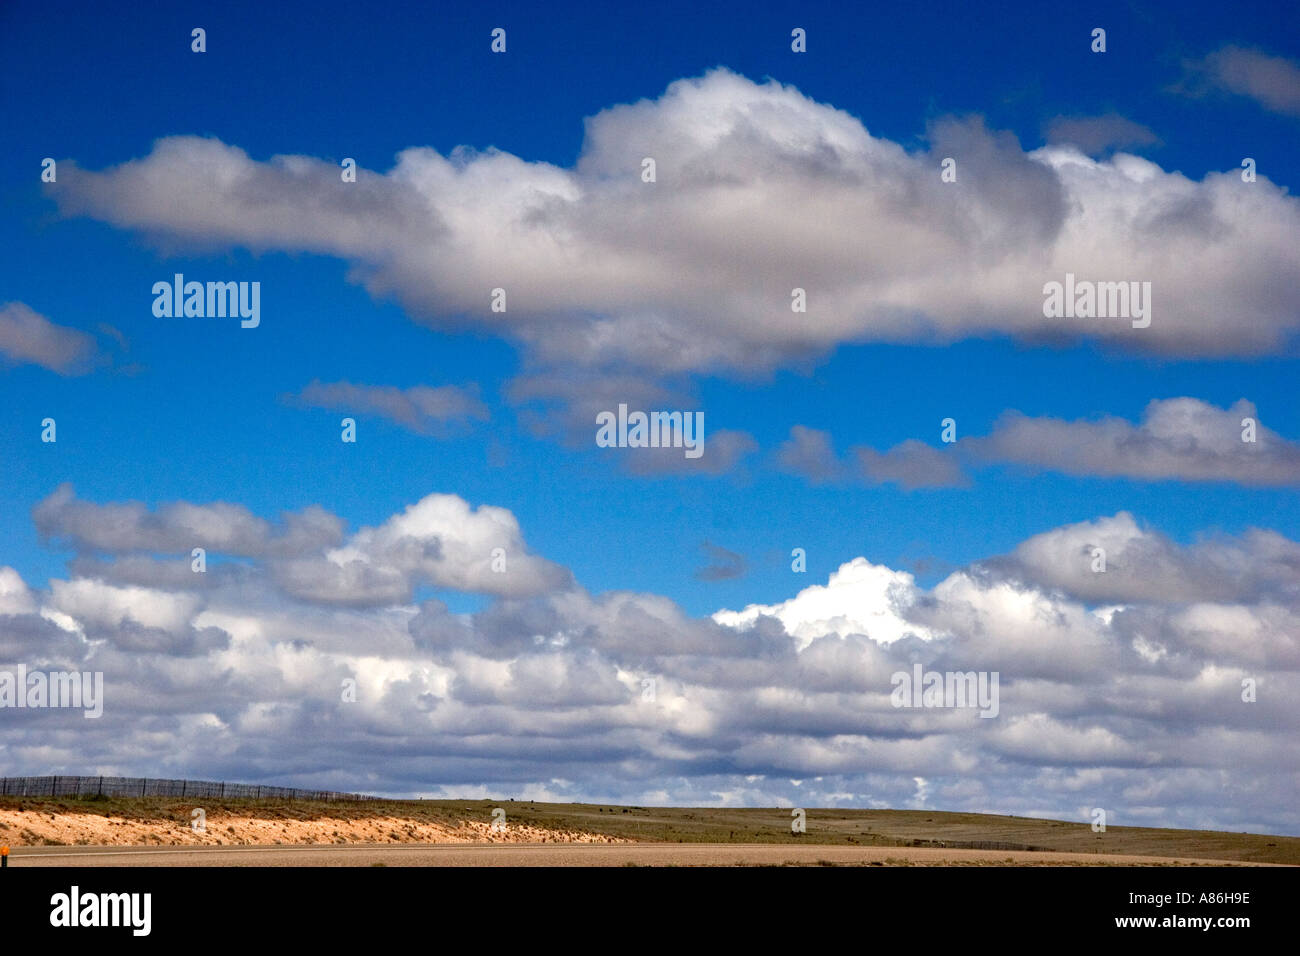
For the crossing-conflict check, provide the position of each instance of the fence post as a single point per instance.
(101, 787)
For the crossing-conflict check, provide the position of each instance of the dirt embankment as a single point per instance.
(175, 826)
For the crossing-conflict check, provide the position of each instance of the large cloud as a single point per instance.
(180, 527)
(1119, 689)
(859, 598)
(759, 190)
(1178, 439)
(1142, 565)
(442, 541)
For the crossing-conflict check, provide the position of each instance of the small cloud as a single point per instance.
(723, 451)
(726, 564)
(910, 464)
(564, 403)
(422, 409)
(115, 334)
(811, 453)
(1271, 81)
(29, 338)
(1096, 135)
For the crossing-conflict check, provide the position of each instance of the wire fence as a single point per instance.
(978, 845)
(154, 787)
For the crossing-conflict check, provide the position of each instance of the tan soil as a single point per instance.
(226, 828)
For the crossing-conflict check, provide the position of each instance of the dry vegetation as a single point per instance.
(166, 821)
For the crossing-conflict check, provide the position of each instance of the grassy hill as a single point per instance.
(709, 825)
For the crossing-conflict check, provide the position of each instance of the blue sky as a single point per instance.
(290, 82)
(199, 410)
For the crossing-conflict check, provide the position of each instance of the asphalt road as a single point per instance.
(556, 854)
